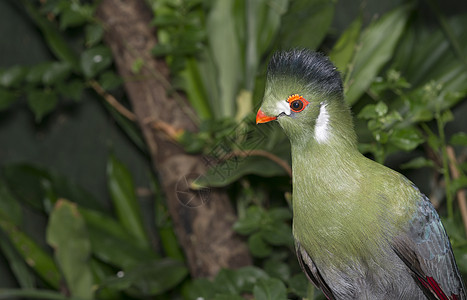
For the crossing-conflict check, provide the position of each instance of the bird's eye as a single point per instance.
(297, 103)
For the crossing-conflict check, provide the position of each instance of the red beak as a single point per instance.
(262, 118)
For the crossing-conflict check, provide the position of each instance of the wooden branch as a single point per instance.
(461, 198)
(203, 221)
(112, 101)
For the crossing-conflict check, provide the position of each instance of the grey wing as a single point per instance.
(312, 272)
(426, 250)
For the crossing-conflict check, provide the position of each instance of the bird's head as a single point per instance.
(304, 94)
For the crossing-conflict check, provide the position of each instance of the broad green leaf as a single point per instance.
(277, 269)
(7, 98)
(227, 279)
(280, 214)
(76, 14)
(376, 46)
(418, 162)
(22, 272)
(116, 251)
(56, 42)
(9, 206)
(233, 169)
(251, 222)
(33, 255)
(258, 247)
(109, 80)
(36, 73)
(28, 182)
(67, 234)
(31, 293)
(225, 50)
(277, 233)
(122, 192)
(72, 89)
(12, 77)
(150, 278)
(306, 23)
(56, 72)
(270, 289)
(42, 102)
(246, 277)
(345, 47)
(93, 34)
(193, 86)
(299, 284)
(95, 60)
(459, 139)
(406, 138)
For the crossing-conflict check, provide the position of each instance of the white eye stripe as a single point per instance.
(321, 127)
(283, 107)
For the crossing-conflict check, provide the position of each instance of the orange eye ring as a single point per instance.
(297, 103)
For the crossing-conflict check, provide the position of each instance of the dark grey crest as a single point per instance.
(313, 69)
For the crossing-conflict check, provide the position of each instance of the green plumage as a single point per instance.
(359, 226)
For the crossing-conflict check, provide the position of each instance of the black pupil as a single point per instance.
(297, 105)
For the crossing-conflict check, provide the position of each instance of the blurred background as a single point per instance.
(87, 208)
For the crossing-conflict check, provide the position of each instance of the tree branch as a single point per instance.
(203, 221)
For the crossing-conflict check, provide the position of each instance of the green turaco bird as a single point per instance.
(362, 230)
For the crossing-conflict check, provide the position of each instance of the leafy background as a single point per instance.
(80, 207)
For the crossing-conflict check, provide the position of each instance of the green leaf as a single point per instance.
(56, 72)
(109, 80)
(270, 289)
(115, 250)
(277, 269)
(258, 246)
(225, 49)
(32, 254)
(36, 73)
(233, 169)
(406, 138)
(280, 214)
(459, 139)
(418, 162)
(122, 192)
(458, 183)
(344, 49)
(72, 89)
(18, 266)
(299, 284)
(12, 77)
(10, 208)
(67, 234)
(41, 102)
(193, 86)
(7, 98)
(28, 183)
(376, 47)
(306, 23)
(381, 108)
(251, 222)
(248, 276)
(147, 279)
(55, 40)
(277, 233)
(368, 112)
(74, 15)
(95, 60)
(93, 34)
(31, 293)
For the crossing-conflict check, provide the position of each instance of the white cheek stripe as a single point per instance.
(321, 128)
(283, 107)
